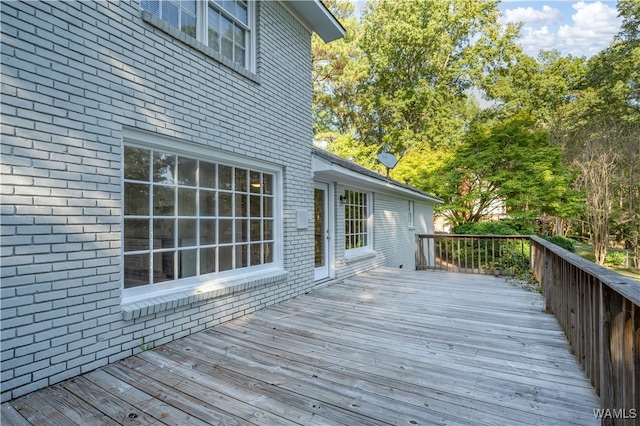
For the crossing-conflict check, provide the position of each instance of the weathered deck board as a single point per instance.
(385, 347)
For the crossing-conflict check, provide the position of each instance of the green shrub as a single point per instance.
(563, 242)
(615, 258)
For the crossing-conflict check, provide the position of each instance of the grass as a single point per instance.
(586, 252)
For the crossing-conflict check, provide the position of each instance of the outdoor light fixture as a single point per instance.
(343, 199)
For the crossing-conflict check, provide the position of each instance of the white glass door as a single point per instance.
(321, 230)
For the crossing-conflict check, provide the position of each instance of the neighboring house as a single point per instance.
(158, 178)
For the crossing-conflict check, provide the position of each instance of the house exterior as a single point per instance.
(158, 178)
(369, 220)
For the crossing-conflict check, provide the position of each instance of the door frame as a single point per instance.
(327, 271)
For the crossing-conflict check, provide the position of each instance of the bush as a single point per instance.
(485, 228)
(563, 242)
(615, 258)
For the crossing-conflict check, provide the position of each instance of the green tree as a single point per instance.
(540, 86)
(337, 70)
(506, 163)
(423, 56)
(600, 133)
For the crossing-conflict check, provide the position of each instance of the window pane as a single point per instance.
(214, 30)
(163, 233)
(225, 177)
(164, 266)
(268, 252)
(256, 254)
(241, 13)
(226, 48)
(208, 260)
(267, 184)
(241, 180)
(189, 6)
(242, 231)
(226, 258)
(136, 270)
(164, 166)
(242, 252)
(254, 178)
(136, 234)
(256, 231)
(187, 232)
(152, 6)
(187, 168)
(255, 205)
(268, 230)
(207, 231)
(268, 207)
(163, 201)
(207, 203)
(239, 37)
(241, 205)
(136, 163)
(187, 202)
(136, 199)
(187, 263)
(207, 174)
(225, 206)
(239, 57)
(226, 231)
(170, 12)
(188, 24)
(229, 6)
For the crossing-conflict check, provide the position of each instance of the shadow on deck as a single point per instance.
(385, 347)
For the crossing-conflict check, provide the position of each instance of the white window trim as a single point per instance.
(412, 214)
(205, 283)
(367, 249)
(200, 43)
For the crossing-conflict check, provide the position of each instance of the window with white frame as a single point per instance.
(226, 26)
(356, 220)
(187, 217)
(412, 214)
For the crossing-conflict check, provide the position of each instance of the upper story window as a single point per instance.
(226, 26)
(357, 228)
(186, 217)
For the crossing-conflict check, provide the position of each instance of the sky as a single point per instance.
(579, 28)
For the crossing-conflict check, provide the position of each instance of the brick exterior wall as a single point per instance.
(75, 75)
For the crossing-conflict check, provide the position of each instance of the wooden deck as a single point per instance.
(385, 347)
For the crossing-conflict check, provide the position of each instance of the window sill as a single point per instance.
(357, 257)
(221, 288)
(158, 23)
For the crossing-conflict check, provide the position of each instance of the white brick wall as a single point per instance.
(74, 74)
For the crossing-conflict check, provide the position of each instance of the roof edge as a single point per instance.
(366, 173)
(320, 18)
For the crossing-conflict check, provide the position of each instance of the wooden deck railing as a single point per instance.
(479, 254)
(598, 309)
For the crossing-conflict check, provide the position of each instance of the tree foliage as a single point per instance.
(422, 57)
(508, 163)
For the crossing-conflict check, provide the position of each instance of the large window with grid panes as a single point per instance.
(189, 216)
(226, 26)
(357, 221)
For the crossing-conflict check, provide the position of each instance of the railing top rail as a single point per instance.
(523, 237)
(625, 286)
